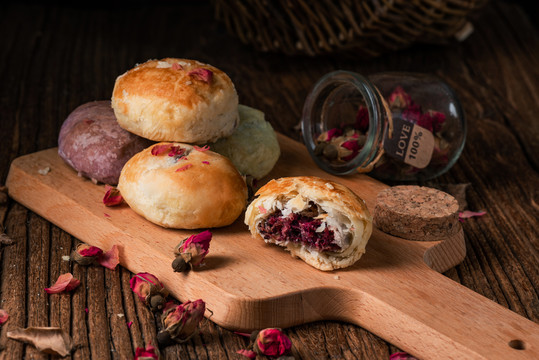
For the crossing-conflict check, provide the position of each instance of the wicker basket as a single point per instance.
(364, 27)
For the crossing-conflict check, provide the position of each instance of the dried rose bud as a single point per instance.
(191, 251)
(149, 289)
(112, 196)
(86, 254)
(272, 342)
(353, 146)
(399, 98)
(202, 74)
(148, 353)
(180, 322)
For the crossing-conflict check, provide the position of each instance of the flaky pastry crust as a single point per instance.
(162, 100)
(342, 209)
(199, 190)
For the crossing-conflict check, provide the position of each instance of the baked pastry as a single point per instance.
(320, 221)
(176, 100)
(253, 146)
(182, 186)
(92, 142)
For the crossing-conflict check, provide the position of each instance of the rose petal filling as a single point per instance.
(300, 228)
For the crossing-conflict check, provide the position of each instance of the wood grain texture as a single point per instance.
(389, 291)
(54, 58)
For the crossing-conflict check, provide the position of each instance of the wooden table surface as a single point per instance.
(54, 58)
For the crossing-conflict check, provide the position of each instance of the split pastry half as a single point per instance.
(322, 222)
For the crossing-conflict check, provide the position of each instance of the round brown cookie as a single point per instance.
(416, 212)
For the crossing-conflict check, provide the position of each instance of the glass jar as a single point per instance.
(395, 126)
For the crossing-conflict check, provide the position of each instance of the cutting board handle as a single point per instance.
(433, 317)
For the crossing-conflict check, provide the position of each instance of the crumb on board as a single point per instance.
(44, 171)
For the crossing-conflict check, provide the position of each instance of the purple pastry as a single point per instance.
(92, 142)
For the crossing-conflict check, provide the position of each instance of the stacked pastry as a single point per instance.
(179, 146)
(152, 141)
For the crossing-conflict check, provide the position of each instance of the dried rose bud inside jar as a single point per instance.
(395, 126)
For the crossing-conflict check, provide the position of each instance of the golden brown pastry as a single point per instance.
(320, 221)
(176, 100)
(182, 186)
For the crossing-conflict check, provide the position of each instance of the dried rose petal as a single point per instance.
(353, 146)
(110, 259)
(195, 248)
(262, 209)
(333, 133)
(401, 356)
(3, 316)
(468, 214)
(180, 322)
(247, 353)
(242, 334)
(362, 119)
(148, 353)
(176, 66)
(412, 113)
(129, 324)
(272, 342)
(202, 74)
(49, 340)
(206, 162)
(87, 250)
(202, 149)
(432, 121)
(112, 196)
(65, 282)
(160, 149)
(183, 168)
(176, 151)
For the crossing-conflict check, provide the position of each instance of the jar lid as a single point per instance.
(416, 213)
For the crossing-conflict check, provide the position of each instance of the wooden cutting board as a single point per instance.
(395, 290)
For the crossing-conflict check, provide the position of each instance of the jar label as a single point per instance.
(409, 143)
